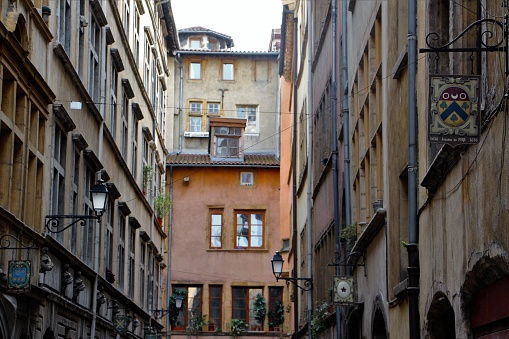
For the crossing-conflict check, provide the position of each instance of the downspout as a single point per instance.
(181, 88)
(294, 178)
(310, 112)
(412, 248)
(170, 230)
(345, 111)
(334, 151)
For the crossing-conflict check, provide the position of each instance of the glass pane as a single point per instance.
(195, 70)
(227, 71)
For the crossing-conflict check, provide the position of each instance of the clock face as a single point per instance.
(343, 289)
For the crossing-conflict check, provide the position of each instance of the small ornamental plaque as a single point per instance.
(19, 276)
(150, 336)
(454, 115)
(343, 290)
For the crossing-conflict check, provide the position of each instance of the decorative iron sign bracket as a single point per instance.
(493, 38)
(19, 271)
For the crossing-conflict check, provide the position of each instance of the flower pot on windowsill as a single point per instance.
(160, 221)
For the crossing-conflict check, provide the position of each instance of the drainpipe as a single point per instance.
(294, 178)
(168, 274)
(310, 162)
(345, 111)
(412, 248)
(181, 88)
(335, 176)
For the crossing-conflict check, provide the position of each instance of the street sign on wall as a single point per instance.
(454, 116)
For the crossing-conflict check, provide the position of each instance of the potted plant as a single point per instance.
(196, 322)
(237, 326)
(162, 204)
(260, 309)
(349, 233)
(172, 307)
(276, 316)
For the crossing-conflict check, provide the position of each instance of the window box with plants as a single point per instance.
(148, 172)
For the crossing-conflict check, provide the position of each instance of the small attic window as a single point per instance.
(246, 179)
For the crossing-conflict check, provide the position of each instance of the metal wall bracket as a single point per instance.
(493, 36)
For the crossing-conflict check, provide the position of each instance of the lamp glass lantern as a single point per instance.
(178, 301)
(277, 265)
(99, 193)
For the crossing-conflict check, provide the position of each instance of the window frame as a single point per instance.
(249, 298)
(187, 305)
(216, 212)
(226, 71)
(216, 321)
(195, 74)
(248, 234)
(247, 112)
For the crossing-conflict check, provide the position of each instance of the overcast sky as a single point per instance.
(249, 23)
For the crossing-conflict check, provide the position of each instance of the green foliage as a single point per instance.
(162, 204)
(147, 175)
(196, 322)
(318, 323)
(349, 233)
(174, 311)
(237, 326)
(260, 308)
(277, 315)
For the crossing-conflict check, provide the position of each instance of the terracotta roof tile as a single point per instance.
(252, 160)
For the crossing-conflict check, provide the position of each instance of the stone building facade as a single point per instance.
(84, 85)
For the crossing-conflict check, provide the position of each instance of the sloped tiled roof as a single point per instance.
(250, 160)
(200, 29)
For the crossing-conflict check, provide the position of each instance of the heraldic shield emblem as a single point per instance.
(454, 109)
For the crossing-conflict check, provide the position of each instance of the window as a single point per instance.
(213, 108)
(126, 18)
(246, 179)
(275, 300)
(215, 305)
(216, 228)
(146, 67)
(108, 251)
(227, 141)
(64, 32)
(125, 122)
(195, 70)
(249, 229)
(58, 184)
(94, 52)
(195, 43)
(195, 124)
(134, 144)
(195, 119)
(190, 307)
(88, 232)
(228, 71)
(243, 301)
(250, 113)
(132, 268)
(136, 42)
(113, 99)
(73, 238)
(143, 248)
(121, 250)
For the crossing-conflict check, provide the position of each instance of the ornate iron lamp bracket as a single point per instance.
(308, 282)
(493, 36)
(53, 221)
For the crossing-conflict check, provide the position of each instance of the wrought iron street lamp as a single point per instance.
(99, 195)
(158, 314)
(277, 270)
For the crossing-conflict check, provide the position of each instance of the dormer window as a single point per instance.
(195, 43)
(227, 138)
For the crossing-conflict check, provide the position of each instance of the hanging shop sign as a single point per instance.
(454, 116)
(120, 323)
(19, 276)
(343, 290)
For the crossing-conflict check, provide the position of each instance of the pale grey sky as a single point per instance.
(249, 23)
